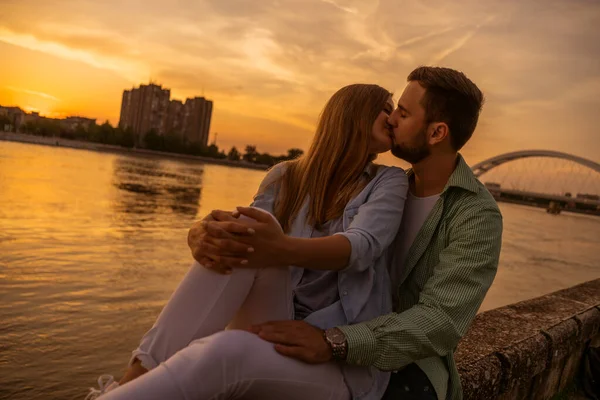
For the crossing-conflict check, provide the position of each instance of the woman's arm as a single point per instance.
(371, 231)
(326, 253)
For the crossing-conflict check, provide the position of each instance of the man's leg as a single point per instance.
(411, 383)
(235, 365)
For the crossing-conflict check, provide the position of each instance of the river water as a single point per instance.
(92, 244)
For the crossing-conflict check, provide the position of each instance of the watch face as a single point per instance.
(336, 336)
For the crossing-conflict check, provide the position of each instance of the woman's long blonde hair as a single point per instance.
(329, 173)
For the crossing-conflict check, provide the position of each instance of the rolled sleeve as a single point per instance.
(377, 221)
(356, 243)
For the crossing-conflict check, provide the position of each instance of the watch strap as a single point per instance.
(339, 348)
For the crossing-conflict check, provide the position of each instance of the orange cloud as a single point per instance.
(33, 92)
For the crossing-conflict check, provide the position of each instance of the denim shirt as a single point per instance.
(370, 223)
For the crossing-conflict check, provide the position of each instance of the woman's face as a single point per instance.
(381, 137)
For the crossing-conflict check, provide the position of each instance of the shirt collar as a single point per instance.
(462, 177)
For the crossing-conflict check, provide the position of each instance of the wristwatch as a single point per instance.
(336, 339)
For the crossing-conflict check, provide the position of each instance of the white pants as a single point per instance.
(190, 355)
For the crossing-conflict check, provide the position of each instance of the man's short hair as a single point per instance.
(452, 98)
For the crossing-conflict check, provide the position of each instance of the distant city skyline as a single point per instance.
(14, 117)
(271, 65)
(150, 107)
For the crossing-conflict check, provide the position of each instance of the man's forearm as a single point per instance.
(328, 253)
(394, 340)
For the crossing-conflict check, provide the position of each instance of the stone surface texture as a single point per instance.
(531, 349)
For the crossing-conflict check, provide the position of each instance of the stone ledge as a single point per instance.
(481, 380)
(531, 349)
(587, 293)
(589, 323)
(521, 363)
(566, 350)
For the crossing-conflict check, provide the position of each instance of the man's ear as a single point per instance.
(439, 131)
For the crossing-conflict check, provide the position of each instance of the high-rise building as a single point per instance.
(125, 117)
(207, 119)
(196, 120)
(149, 108)
(174, 122)
(144, 109)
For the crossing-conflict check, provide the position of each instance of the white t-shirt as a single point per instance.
(416, 211)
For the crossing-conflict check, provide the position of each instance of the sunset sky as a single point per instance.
(270, 65)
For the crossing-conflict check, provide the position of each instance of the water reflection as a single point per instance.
(91, 246)
(152, 186)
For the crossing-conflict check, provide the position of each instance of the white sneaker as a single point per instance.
(106, 383)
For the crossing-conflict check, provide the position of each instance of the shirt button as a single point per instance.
(345, 293)
(358, 361)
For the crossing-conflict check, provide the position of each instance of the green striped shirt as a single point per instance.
(448, 271)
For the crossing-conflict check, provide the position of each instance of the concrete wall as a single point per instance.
(531, 349)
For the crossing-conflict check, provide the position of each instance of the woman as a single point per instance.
(344, 205)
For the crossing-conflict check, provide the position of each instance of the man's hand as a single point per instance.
(296, 339)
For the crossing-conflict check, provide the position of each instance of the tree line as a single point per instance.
(152, 140)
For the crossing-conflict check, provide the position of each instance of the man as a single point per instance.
(445, 256)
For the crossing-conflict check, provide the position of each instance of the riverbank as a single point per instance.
(107, 148)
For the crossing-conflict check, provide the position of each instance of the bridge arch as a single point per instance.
(491, 163)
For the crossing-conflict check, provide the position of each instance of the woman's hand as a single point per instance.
(270, 245)
(254, 242)
(211, 246)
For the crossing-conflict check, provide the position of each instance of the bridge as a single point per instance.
(541, 178)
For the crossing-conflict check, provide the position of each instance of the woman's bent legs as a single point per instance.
(235, 364)
(191, 356)
(206, 302)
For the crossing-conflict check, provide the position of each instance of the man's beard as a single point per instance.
(413, 154)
